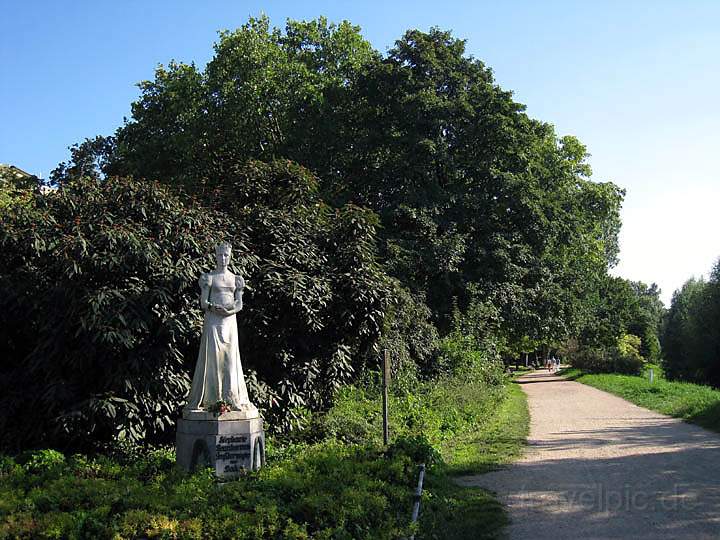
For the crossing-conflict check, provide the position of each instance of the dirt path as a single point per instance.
(598, 466)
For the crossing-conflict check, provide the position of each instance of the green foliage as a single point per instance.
(624, 357)
(691, 336)
(409, 336)
(647, 322)
(498, 437)
(325, 489)
(319, 296)
(42, 460)
(629, 345)
(105, 272)
(265, 94)
(475, 199)
(628, 358)
(458, 356)
(625, 307)
(104, 275)
(453, 512)
(427, 171)
(436, 410)
(15, 187)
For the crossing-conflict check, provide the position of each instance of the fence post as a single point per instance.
(385, 384)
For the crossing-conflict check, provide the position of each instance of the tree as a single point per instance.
(691, 333)
(16, 187)
(477, 202)
(88, 159)
(647, 320)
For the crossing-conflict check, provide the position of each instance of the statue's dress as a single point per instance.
(218, 373)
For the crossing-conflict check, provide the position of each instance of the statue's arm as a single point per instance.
(204, 283)
(239, 289)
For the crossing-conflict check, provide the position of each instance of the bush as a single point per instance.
(458, 356)
(344, 484)
(623, 358)
(327, 490)
(628, 359)
(433, 412)
(105, 273)
(42, 461)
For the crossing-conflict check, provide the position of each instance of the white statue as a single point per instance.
(218, 386)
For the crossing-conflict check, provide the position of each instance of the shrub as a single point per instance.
(327, 490)
(42, 461)
(324, 489)
(459, 356)
(623, 358)
(105, 273)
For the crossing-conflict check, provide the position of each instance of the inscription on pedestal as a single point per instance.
(230, 447)
(231, 451)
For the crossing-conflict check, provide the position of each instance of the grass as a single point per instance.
(341, 482)
(459, 512)
(496, 442)
(474, 427)
(694, 403)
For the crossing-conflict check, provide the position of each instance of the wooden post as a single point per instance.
(385, 384)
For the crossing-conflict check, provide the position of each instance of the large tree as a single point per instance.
(691, 334)
(477, 201)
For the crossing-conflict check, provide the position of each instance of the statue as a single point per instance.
(218, 386)
(219, 427)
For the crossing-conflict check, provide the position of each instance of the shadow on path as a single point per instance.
(600, 467)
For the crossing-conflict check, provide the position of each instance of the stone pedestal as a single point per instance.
(229, 446)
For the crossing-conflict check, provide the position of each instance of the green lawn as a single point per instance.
(347, 484)
(692, 402)
(457, 512)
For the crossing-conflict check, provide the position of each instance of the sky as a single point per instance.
(636, 81)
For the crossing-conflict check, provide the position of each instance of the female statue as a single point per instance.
(218, 373)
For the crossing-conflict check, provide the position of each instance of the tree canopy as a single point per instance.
(475, 199)
(376, 200)
(691, 333)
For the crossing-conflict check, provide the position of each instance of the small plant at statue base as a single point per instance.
(219, 407)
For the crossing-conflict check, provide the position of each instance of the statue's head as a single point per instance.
(223, 252)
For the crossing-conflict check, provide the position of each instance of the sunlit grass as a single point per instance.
(695, 403)
(470, 512)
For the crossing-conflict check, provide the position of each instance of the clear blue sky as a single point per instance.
(637, 81)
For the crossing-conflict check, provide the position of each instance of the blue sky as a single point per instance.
(636, 81)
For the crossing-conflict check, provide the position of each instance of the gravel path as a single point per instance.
(598, 466)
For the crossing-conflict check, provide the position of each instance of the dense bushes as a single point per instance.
(437, 409)
(97, 312)
(623, 358)
(98, 303)
(325, 491)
